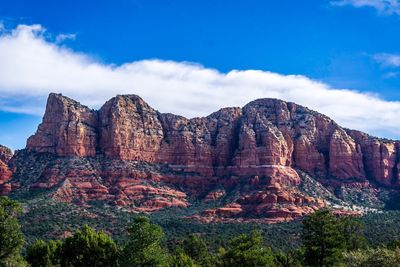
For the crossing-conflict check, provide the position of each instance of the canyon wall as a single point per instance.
(242, 141)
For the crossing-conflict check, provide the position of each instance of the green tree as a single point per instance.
(11, 237)
(143, 248)
(42, 254)
(181, 259)
(197, 249)
(89, 248)
(289, 259)
(352, 230)
(322, 239)
(370, 257)
(394, 244)
(246, 250)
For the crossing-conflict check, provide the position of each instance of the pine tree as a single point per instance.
(322, 239)
(11, 237)
(143, 248)
(247, 251)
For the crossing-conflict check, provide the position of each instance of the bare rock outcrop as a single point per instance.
(5, 172)
(133, 156)
(68, 128)
(381, 158)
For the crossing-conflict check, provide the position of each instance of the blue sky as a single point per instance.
(348, 44)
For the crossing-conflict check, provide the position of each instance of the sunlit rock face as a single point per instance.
(131, 155)
(68, 128)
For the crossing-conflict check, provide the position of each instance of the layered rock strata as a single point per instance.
(258, 147)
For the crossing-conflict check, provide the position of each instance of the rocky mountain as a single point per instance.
(269, 161)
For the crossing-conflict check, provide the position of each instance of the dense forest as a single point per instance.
(325, 240)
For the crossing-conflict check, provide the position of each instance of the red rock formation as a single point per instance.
(381, 158)
(345, 157)
(264, 133)
(5, 172)
(131, 155)
(273, 204)
(5, 176)
(214, 195)
(5, 154)
(68, 128)
(129, 129)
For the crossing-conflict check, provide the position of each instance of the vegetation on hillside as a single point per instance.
(325, 240)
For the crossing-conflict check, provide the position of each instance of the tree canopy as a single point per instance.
(88, 247)
(11, 236)
(144, 245)
(247, 250)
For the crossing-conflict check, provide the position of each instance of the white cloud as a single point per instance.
(387, 60)
(383, 6)
(65, 36)
(31, 67)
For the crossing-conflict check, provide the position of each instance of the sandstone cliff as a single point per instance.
(131, 155)
(5, 172)
(68, 128)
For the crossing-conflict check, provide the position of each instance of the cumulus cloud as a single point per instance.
(387, 60)
(382, 6)
(32, 66)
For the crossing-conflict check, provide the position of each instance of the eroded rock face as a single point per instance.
(381, 158)
(68, 129)
(345, 157)
(266, 132)
(264, 202)
(5, 176)
(129, 129)
(259, 148)
(5, 154)
(5, 172)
